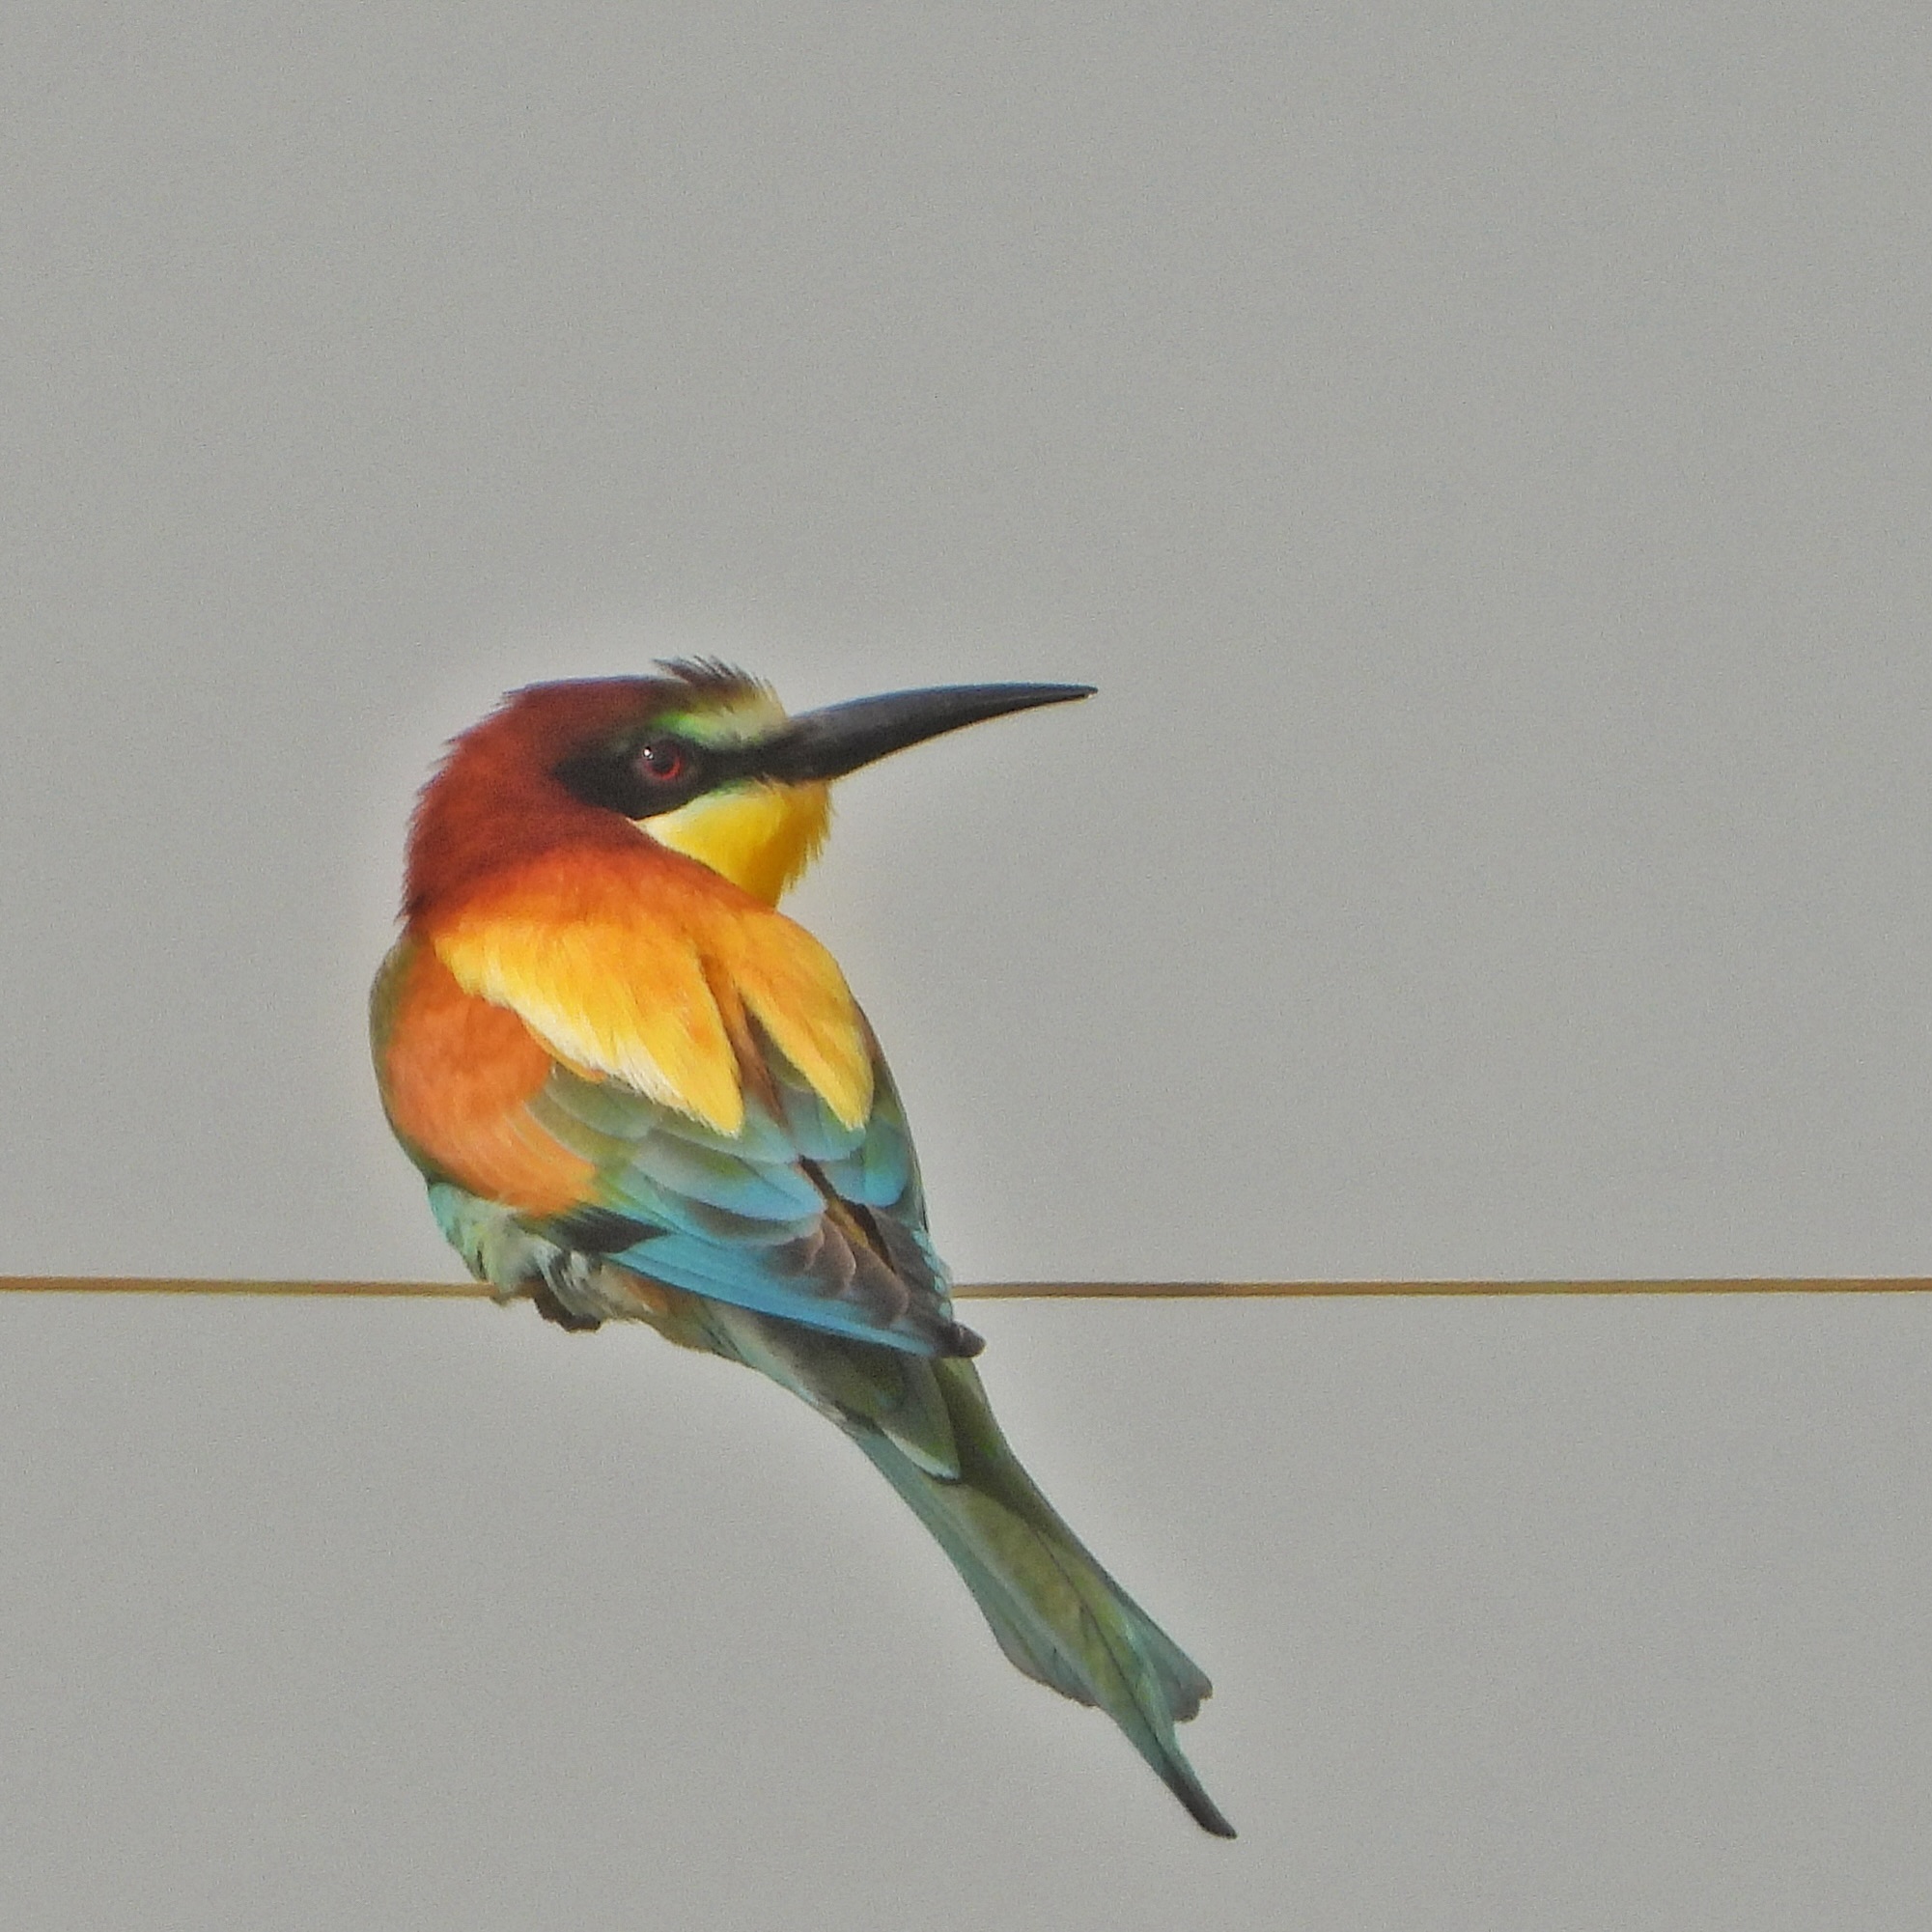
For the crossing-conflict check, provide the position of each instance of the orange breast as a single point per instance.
(457, 1073)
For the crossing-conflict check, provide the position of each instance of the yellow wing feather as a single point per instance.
(612, 971)
(793, 988)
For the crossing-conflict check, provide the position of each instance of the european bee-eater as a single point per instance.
(639, 1091)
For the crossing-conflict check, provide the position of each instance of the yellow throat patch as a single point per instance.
(759, 836)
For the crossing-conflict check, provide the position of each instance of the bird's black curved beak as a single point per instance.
(829, 743)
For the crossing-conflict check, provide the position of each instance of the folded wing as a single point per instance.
(793, 1211)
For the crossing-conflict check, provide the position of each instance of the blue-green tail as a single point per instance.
(925, 1423)
(1057, 1615)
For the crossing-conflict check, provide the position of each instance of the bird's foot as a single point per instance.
(554, 1310)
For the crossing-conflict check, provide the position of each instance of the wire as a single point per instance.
(1743, 1284)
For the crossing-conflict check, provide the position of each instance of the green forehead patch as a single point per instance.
(725, 706)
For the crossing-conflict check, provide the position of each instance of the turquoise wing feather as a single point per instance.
(797, 1216)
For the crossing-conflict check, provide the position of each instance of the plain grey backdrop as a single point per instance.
(1482, 455)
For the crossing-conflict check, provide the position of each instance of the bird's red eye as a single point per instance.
(664, 760)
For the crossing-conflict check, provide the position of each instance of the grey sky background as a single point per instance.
(1482, 456)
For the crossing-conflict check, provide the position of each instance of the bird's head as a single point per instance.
(703, 760)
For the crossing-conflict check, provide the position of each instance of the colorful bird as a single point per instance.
(639, 1091)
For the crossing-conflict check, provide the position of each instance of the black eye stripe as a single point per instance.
(642, 778)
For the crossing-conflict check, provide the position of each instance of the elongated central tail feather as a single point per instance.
(1057, 1615)
(926, 1425)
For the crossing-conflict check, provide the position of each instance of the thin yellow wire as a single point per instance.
(1741, 1284)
